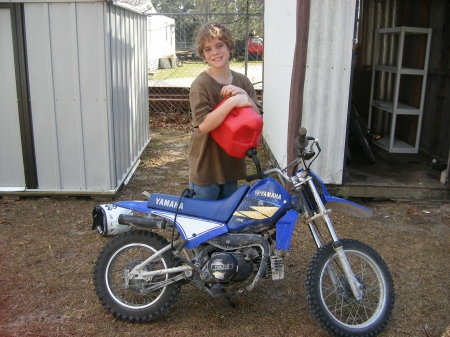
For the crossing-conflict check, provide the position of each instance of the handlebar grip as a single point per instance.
(301, 141)
(302, 134)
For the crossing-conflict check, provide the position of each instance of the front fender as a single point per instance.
(337, 204)
(347, 207)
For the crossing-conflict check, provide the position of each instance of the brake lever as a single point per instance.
(315, 142)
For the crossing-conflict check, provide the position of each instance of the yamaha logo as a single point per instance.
(168, 203)
(266, 194)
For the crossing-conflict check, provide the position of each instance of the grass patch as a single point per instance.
(192, 70)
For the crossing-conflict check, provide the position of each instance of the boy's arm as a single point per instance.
(217, 116)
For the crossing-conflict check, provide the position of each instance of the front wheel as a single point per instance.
(128, 298)
(331, 300)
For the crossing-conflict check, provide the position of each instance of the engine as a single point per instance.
(227, 267)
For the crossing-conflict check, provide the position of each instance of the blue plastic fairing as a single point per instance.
(265, 202)
(285, 228)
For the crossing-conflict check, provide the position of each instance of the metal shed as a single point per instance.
(73, 96)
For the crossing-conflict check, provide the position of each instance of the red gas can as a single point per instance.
(239, 132)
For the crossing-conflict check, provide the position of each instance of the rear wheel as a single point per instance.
(129, 298)
(331, 300)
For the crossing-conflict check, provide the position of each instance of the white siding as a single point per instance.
(279, 46)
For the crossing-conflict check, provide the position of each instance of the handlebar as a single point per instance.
(301, 143)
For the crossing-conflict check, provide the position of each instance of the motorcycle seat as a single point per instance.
(218, 210)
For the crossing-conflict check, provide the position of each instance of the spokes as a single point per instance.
(338, 296)
(128, 290)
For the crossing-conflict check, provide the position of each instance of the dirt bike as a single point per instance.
(226, 247)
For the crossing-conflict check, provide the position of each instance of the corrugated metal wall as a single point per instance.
(435, 138)
(128, 51)
(87, 77)
(327, 83)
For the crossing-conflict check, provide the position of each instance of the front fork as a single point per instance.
(355, 286)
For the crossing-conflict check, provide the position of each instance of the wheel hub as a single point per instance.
(135, 284)
(345, 291)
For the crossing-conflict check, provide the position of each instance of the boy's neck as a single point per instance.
(222, 75)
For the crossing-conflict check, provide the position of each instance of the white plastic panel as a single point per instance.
(12, 175)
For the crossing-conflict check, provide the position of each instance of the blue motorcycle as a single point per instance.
(226, 247)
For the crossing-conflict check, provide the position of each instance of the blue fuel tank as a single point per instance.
(265, 203)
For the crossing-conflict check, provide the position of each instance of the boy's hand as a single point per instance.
(231, 90)
(241, 100)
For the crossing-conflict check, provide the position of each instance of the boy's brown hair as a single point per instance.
(213, 30)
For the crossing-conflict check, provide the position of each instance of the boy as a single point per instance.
(213, 174)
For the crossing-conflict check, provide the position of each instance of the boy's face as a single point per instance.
(216, 53)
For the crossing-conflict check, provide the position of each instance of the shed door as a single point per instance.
(12, 175)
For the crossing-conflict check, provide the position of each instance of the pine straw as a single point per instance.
(48, 250)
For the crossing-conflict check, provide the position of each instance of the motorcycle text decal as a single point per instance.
(273, 195)
(168, 203)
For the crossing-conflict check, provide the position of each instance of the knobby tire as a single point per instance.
(127, 299)
(333, 304)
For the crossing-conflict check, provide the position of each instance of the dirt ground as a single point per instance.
(48, 250)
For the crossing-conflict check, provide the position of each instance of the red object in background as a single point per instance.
(239, 132)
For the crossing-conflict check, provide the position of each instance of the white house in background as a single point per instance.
(160, 38)
(160, 32)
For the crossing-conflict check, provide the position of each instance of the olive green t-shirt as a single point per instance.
(208, 162)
